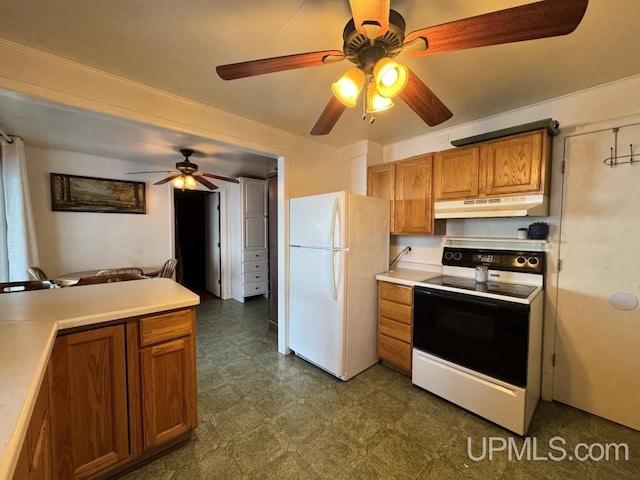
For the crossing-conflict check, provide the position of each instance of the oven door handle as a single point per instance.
(472, 299)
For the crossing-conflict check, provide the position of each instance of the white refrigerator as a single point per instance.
(338, 242)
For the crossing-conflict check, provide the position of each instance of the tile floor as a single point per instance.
(265, 415)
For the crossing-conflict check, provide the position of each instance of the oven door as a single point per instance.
(483, 334)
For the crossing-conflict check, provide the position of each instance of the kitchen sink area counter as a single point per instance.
(410, 276)
(29, 324)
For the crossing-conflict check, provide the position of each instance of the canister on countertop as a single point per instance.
(482, 273)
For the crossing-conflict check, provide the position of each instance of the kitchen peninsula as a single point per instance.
(143, 334)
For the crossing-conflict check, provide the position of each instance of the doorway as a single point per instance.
(197, 240)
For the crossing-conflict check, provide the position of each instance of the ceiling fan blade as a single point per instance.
(424, 102)
(152, 171)
(547, 18)
(328, 117)
(168, 179)
(277, 64)
(204, 182)
(372, 15)
(219, 177)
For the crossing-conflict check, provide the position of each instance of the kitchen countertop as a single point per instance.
(410, 276)
(29, 322)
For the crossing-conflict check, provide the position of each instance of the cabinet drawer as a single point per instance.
(395, 311)
(254, 255)
(168, 326)
(248, 267)
(395, 351)
(255, 277)
(396, 293)
(255, 288)
(391, 328)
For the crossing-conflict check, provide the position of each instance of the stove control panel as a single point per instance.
(508, 260)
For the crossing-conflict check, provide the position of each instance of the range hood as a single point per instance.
(513, 206)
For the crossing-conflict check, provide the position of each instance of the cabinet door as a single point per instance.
(514, 164)
(89, 412)
(254, 194)
(34, 462)
(381, 183)
(457, 173)
(413, 210)
(255, 233)
(168, 391)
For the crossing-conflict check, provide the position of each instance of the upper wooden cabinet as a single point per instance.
(457, 173)
(516, 164)
(407, 184)
(381, 183)
(413, 204)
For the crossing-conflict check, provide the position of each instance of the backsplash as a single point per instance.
(427, 250)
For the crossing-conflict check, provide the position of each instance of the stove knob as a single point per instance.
(533, 261)
(521, 260)
(448, 255)
(457, 256)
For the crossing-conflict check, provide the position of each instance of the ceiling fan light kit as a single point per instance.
(390, 76)
(185, 182)
(375, 102)
(348, 87)
(187, 176)
(375, 35)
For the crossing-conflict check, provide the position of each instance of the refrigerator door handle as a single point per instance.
(334, 284)
(334, 220)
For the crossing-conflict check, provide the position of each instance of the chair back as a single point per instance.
(37, 273)
(116, 271)
(108, 278)
(168, 268)
(21, 286)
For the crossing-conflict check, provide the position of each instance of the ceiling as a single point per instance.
(175, 46)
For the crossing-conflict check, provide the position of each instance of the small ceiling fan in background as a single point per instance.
(186, 174)
(375, 36)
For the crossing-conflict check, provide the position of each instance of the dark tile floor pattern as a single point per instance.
(264, 415)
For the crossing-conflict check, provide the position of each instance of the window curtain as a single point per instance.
(18, 249)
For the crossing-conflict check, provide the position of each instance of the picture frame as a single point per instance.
(74, 193)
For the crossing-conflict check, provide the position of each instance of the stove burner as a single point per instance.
(498, 288)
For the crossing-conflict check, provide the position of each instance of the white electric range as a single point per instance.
(479, 343)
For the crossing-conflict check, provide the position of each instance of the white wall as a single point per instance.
(76, 241)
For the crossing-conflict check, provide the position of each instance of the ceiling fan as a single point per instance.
(186, 174)
(376, 35)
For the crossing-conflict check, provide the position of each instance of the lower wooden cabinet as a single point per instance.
(168, 378)
(89, 404)
(122, 393)
(395, 324)
(34, 462)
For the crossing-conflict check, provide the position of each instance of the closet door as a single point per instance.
(597, 340)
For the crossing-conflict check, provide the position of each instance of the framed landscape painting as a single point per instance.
(71, 193)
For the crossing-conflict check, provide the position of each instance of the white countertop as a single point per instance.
(410, 276)
(29, 322)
